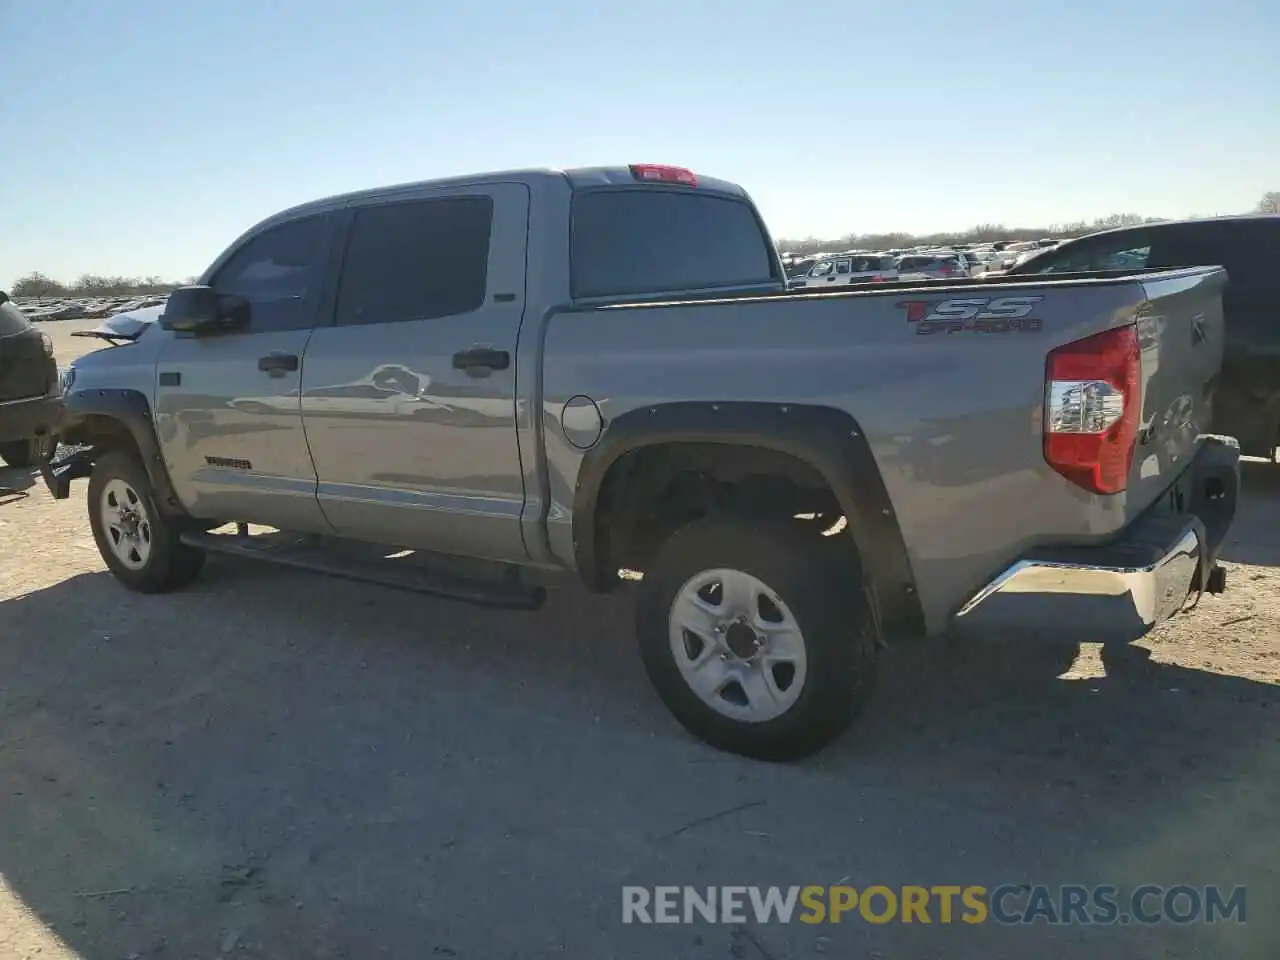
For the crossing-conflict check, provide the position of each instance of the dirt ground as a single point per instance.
(273, 765)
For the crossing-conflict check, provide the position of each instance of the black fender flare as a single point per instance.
(829, 440)
(132, 410)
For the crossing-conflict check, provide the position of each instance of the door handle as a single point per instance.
(481, 358)
(278, 362)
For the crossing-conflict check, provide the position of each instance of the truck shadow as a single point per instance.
(296, 766)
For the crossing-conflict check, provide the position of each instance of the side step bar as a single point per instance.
(365, 563)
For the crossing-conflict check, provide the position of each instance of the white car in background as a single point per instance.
(846, 269)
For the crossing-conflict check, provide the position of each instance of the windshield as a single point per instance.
(638, 241)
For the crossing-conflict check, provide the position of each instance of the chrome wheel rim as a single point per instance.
(737, 645)
(126, 524)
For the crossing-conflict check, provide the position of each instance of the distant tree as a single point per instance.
(1119, 220)
(1270, 202)
(36, 284)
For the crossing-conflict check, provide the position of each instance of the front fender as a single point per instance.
(99, 418)
(827, 439)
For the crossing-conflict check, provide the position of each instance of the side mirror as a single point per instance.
(198, 310)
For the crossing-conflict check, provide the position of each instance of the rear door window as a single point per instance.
(637, 241)
(416, 260)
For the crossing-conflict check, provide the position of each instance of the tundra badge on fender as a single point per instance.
(973, 314)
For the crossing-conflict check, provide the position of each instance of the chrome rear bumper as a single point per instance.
(1119, 591)
(1157, 590)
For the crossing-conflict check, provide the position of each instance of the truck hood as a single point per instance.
(124, 327)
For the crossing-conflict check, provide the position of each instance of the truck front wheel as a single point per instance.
(757, 636)
(138, 544)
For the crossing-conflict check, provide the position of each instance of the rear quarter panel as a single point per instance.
(953, 419)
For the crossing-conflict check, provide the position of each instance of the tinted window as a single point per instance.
(1119, 253)
(416, 261)
(276, 271)
(1253, 263)
(11, 319)
(842, 266)
(1250, 250)
(637, 241)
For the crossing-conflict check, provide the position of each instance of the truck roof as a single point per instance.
(1188, 221)
(578, 177)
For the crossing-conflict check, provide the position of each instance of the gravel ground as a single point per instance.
(273, 765)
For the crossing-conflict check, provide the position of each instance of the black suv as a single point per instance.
(1247, 405)
(28, 387)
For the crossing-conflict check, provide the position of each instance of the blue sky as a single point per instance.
(141, 136)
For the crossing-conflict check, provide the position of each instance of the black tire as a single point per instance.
(27, 453)
(817, 579)
(19, 453)
(170, 564)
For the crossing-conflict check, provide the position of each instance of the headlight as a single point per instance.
(47, 342)
(66, 377)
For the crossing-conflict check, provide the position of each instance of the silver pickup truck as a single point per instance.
(485, 386)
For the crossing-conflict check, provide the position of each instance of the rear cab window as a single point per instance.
(633, 241)
(917, 263)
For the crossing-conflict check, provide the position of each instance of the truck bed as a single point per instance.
(950, 405)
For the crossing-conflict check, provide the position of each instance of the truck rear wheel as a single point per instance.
(757, 636)
(138, 544)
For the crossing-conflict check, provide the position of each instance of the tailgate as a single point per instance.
(1181, 335)
(26, 368)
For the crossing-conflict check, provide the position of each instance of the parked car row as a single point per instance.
(923, 263)
(39, 309)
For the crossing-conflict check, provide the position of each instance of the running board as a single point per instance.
(367, 563)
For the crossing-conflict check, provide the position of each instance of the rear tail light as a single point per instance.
(660, 173)
(1092, 406)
